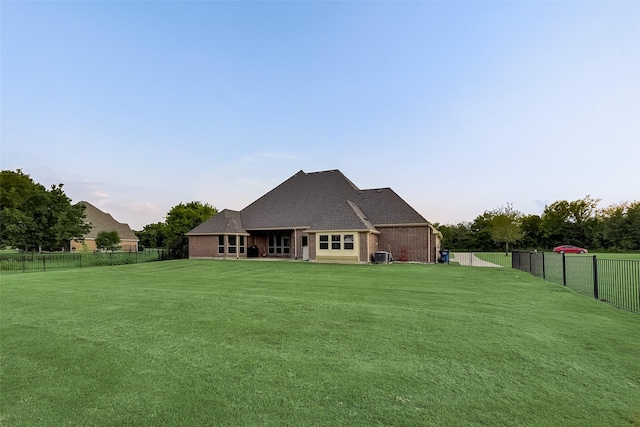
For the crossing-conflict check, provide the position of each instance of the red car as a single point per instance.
(569, 249)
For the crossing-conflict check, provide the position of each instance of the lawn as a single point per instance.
(245, 343)
(633, 256)
(500, 258)
(18, 262)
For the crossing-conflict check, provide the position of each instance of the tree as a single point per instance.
(481, 229)
(108, 240)
(456, 236)
(181, 219)
(620, 226)
(572, 222)
(532, 232)
(31, 217)
(153, 235)
(506, 225)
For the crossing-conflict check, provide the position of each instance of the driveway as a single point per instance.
(468, 258)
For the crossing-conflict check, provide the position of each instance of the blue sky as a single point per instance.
(460, 107)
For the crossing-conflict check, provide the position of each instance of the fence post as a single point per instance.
(530, 261)
(24, 263)
(564, 271)
(595, 277)
(544, 271)
(44, 263)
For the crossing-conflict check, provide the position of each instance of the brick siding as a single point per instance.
(414, 239)
(90, 245)
(203, 247)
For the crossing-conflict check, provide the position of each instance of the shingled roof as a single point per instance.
(101, 221)
(325, 200)
(226, 222)
(345, 216)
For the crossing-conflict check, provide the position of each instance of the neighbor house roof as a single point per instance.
(325, 200)
(101, 221)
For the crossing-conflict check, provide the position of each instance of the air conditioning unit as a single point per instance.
(383, 257)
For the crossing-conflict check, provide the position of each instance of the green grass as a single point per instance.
(17, 262)
(628, 256)
(245, 343)
(500, 259)
(495, 257)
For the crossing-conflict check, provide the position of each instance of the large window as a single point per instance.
(221, 244)
(279, 243)
(241, 244)
(338, 241)
(324, 241)
(232, 244)
(348, 241)
(335, 241)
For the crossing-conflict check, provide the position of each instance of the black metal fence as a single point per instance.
(29, 262)
(616, 282)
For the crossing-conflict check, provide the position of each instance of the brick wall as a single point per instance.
(312, 247)
(90, 245)
(368, 246)
(85, 245)
(128, 246)
(364, 247)
(414, 239)
(203, 246)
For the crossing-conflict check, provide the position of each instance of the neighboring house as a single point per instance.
(319, 216)
(101, 221)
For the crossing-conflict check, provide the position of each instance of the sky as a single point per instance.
(460, 107)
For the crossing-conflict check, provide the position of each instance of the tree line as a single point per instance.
(579, 222)
(34, 218)
(170, 233)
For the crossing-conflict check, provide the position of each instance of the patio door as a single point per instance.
(279, 243)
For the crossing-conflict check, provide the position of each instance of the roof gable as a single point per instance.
(101, 221)
(344, 216)
(383, 206)
(225, 222)
(299, 201)
(325, 200)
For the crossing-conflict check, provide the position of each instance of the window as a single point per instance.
(241, 244)
(232, 244)
(324, 242)
(348, 241)
(221, 244)
(279, 243)
(335, 241)
(305, 241)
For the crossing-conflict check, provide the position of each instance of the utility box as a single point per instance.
(383, 257)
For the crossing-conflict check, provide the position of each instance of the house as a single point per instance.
(319, 216)
(101, 221)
